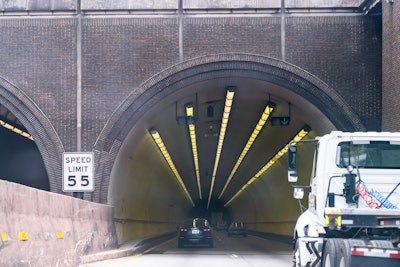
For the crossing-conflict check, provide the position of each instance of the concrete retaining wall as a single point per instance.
(38, 228)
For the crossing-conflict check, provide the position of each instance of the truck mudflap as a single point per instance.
(364, 256)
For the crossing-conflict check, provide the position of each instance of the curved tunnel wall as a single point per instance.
(147, 199)
(152, 205)
(261, 206)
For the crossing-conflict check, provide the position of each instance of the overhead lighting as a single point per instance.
(225, 117)
(264, 117)
(15, 130)
(300, 135)
(189, 110)
(192, 133)
(157, 138)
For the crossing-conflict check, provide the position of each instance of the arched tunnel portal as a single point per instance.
(145, 191)
(33, 159)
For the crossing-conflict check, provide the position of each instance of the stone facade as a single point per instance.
(71, 64)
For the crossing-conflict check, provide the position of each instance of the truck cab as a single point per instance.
(353, 196)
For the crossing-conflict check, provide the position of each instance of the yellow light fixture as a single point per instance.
(157, 138)
(192, 133)
(264, 117)
(15, 130)
(189, 110)
(224, 124)
(300, 135)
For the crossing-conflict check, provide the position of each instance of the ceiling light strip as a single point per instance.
(264, 117)
(225, 117)
(15, 130)
(157, 138)
(192, 133)
(300, 135)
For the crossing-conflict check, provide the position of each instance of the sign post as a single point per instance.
(78, 172)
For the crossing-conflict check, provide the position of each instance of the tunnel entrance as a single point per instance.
(31, 150)
(19, 155)
(150, 194)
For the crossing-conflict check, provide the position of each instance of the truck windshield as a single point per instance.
(373, 154)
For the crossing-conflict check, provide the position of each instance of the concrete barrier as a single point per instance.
(39, 228)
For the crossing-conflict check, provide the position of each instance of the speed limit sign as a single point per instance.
(78, 172)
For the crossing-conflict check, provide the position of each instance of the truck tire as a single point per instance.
(344, 252)
(329, 256)
(380, 244)
(296, 254)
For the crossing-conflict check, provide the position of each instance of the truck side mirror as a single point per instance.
(349, 190)
(292, 164)
(298, 192)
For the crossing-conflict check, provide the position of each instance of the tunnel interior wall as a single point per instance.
(144, 192)
(40, 228)
(270, 209)
(16, 151)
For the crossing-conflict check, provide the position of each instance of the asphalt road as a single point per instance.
(227, 252)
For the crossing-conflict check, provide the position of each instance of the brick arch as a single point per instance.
(209, 67)
(38, 125)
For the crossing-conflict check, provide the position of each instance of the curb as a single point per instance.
(127, 249)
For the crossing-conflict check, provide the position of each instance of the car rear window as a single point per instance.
(198, 222)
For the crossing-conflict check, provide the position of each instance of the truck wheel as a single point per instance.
(296, 254)
(329, 257)
(344, 252)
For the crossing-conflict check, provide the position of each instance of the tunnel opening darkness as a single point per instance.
(21, 160)
(217, 212)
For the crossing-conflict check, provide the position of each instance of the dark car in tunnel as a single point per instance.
(237, 229)
(196, 231)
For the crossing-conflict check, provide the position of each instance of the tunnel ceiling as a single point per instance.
(8, 117)
(250, 99)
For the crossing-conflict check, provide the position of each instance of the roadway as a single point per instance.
(233, 252)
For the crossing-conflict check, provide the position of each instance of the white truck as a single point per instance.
(353, 214)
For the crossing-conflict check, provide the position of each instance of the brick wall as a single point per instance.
(344, 52)
(39, 57)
